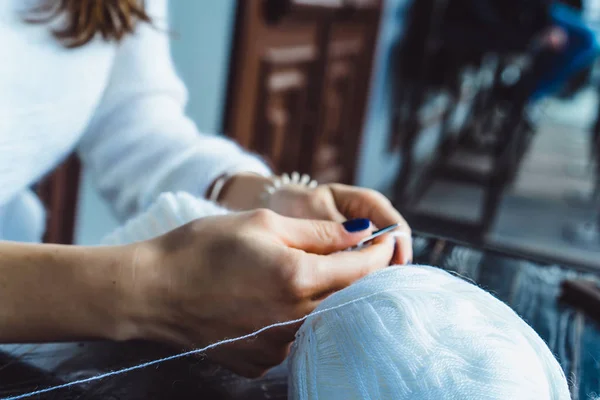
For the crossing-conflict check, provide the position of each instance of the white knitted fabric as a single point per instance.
(168, 212)
(421, 334)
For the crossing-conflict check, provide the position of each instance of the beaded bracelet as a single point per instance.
(278, 183)
(285, 180)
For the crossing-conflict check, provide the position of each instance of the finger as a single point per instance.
(334, 272)
(356, 202)
(329, 206)
(403, 253)
(323, 207)
(335, 215)
(322, 237)
(326, 211)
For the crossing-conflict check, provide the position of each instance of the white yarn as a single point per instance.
(168, 212)
(434, 337)
(413, 332)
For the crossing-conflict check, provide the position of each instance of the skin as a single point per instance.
(331, 202)
(214, 278)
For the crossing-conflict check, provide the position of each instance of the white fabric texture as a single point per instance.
(170, 211)
(421, 333)
(121, 106)
(23, 218)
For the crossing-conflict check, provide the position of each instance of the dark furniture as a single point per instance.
(59, 192)
(530, 287)
(299, 80)
(485, 153)
(444, 39)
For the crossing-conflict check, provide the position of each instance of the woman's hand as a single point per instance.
(337, 202)
(228, 276)
(333, 202)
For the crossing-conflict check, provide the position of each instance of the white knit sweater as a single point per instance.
(121, 107)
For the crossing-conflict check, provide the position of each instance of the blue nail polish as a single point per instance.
(357, 225)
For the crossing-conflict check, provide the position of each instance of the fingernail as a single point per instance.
(357, 225)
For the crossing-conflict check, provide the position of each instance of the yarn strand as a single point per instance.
(188, 353)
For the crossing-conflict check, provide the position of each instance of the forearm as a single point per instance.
(61, 293)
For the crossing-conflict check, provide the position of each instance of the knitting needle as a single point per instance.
(373, 236)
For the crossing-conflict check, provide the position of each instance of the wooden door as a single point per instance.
(299, 79)
(273, 60)
(344, 94)
(59, 194)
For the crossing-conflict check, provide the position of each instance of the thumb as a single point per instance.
(337, 271)
(323, 237)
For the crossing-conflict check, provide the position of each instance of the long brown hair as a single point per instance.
(84, 19)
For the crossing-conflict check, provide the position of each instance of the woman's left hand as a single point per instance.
(333, 202)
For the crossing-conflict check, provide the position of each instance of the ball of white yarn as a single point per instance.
(420, 333)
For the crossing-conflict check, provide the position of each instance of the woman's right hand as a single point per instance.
(228, 276)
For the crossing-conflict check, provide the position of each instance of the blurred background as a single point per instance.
(479, 119)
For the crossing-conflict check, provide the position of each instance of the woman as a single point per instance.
(104, 83)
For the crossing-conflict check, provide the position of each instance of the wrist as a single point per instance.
(247, 191)
(149, 291)
(243, 192)
(108, 292)
(134, 309)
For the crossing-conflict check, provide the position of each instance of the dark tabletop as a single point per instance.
(532, 289)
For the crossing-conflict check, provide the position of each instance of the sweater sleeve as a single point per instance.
(168, 212)
(139, 142)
